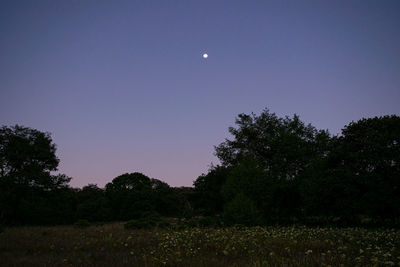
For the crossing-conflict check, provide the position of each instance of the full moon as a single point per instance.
(205, 56)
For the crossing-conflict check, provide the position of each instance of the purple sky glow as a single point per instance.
(123, 85)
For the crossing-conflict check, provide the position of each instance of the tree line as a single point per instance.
(272, 170)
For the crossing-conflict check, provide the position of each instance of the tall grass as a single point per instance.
(113, 245)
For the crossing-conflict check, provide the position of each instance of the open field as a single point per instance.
(112, 245)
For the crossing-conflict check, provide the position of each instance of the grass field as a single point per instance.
(112, 245)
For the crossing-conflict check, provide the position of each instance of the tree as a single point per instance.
(130, 195)
(268, 156)
(241, 210)
(93, 204)
(207, 189)
(283, 146)
(164, 199)
(185, 198)
(371, 157)
(361, 174)
(27, 158)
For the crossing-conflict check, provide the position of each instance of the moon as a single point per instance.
(205, 55)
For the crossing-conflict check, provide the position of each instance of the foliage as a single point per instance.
(208, 221)
(207, 189)
(141, 223)
(82, 223)
(27, 156)
(185, 197)
(370, 154)
(93, 204)
(130, 195)
(273, 171)
(28, 191)
(361, 175)
(163, 224)
(282, 146)
(165, 200)
(268, 157)
(241, 210)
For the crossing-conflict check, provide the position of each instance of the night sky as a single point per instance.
(122, 85)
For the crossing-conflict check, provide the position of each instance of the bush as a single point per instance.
(208, 221)
(82, 223)
(192, 223)
(150, 215)
(163, 224)
(241, 211)
(143, 223)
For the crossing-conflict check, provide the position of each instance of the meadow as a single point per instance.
(113, 245)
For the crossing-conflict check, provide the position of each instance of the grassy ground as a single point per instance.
(112, 245)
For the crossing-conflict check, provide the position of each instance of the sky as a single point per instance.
(122, 85)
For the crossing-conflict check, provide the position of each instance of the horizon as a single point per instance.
(125, 87)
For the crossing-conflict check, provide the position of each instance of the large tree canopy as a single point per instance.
(371, 157)
(29, 193)
(27, 156)
(361, 175)
(268, 156)
(283, 146)
(207, 188)
(273, 170)
(130, 195)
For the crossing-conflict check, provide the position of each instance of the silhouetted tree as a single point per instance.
(208, 199)
(241, 210)
(361, 175)
(185, 201)
(283, 146)
(273, 170)
(269, 156)
(27, 157)
(164, 198)
(93, 204)
(130, 195)
(372, 159)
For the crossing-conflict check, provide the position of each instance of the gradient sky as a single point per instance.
(122, 85)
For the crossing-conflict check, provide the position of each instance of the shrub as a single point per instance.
(192, 223)
(82, 223)
(143, 223)
(241, 211)
(151, 215)
(208, 221)
(163, 224)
